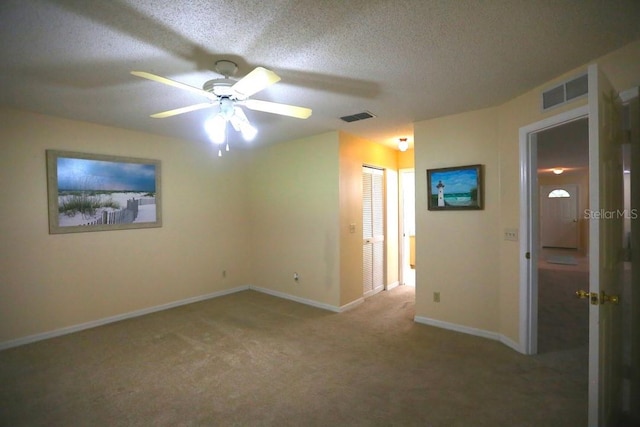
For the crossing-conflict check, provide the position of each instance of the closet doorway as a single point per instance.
(372, 230)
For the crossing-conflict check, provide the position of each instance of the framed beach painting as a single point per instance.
(95, 192)
(455, 188)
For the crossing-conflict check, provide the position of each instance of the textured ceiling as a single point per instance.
(404, 61)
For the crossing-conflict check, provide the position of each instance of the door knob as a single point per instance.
(613, 299)
(582, 294)
(598, 299)
(593, 297)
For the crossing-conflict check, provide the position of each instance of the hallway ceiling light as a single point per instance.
(403, 145)
(558, 171)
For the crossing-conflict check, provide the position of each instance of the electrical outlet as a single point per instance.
(436, 297)
(296, 276)
(352, 228)
(511, 234)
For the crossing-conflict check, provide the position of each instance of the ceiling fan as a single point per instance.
(229, 95)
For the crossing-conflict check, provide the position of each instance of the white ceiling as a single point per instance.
(404, 61)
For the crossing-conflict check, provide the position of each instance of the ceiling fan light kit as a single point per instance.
(229, 95)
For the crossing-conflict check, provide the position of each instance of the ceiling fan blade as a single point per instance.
(277, 108)
(255, 81)
(182, 110)
(174, 83)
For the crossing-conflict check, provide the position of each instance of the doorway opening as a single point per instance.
(538, 170)
(408, 228)
(606, 390)
(373, 230)
(563, 267)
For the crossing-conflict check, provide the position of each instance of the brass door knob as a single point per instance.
(582, 294)
(593, 297)
(613, 299)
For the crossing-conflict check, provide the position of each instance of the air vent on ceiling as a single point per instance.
(565, 92)
(355, 117)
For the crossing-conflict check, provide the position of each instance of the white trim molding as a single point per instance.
(629, 94)
(104, 321)
(111, 319)
(392, 285)
(306, 301)
(470, 331)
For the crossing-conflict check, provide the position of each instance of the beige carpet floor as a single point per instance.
(250, 359)
(563, 319)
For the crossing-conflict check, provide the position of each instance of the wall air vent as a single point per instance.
(565, 92)
(359, 116)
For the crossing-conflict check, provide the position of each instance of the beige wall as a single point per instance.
(354, 153)
(456, 250)
(405, 159)
(493, 134)
(258, 215)
(293, 218)
(48, 282)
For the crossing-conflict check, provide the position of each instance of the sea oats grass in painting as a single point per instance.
(91, 192)
(455, 188)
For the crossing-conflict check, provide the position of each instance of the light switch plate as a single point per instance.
(511, 234)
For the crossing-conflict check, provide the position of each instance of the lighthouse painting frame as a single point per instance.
(455, 188)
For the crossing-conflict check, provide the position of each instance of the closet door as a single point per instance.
(372, 230)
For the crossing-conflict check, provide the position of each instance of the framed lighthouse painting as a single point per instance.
(455, 188)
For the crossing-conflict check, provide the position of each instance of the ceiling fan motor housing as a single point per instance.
(220, 87)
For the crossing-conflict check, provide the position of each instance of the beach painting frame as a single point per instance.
(97, 192)
(455, 188)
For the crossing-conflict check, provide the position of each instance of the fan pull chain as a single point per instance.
(226, 138)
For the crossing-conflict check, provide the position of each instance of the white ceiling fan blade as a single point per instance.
(277, 108)
(182, 110)
(255, 81)
(174, 83)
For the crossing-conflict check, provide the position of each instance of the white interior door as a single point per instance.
(372, 230)
(605, 254)
(559, 216)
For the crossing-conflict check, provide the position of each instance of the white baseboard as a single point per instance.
(458, 328)
(296, 299)
(351, 305)
(469, 330)
(306, 301)
(512, 344)
(418, 319)
(392, 285)
(94, 323)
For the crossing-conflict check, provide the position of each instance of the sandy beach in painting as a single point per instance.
(146, 212)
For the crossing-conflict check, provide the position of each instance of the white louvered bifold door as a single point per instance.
(372, 230)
